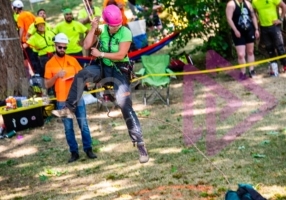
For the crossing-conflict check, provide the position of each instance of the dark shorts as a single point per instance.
(246, 37)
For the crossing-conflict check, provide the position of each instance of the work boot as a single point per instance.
(90, 154)
(63, 113)
(143, 155)
(74, 157)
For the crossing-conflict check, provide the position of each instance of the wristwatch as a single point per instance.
(101, 54)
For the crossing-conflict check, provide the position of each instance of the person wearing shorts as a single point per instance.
(244, 29)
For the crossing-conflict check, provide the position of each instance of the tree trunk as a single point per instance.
(13, 75)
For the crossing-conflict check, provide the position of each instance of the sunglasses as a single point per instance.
(61, 47)
(68, 14)
(114, 27)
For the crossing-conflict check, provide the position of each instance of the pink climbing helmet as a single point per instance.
(112, 15)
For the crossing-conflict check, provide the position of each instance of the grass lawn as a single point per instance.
(35, 167)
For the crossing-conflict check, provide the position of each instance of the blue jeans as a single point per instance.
(80, 113)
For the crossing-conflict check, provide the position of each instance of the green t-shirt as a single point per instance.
(110, 43)
(82, 14)
(266, 10)
(32, 29)
(42, 43)
(73, 31)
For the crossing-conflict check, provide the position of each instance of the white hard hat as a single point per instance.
(18, 4)
(61, 38)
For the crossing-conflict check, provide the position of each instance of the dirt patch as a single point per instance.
(203, 192)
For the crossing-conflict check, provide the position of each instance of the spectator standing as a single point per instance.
(24, 20)
(270, 27)
(75, 31)
(244, 29)
(42, 42)
(38, 66)
(60, 70)
(32, 29)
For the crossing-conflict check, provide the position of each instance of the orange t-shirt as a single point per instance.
(25, 19)
(62, 85)
(122, 2)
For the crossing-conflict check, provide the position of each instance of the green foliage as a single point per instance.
(186, 151)
(57, 5)
(144, 113)
(203, 19)
(279, 197)
(11, 162)
(46, 138)
(95, 142)
(43, 178)
(217, 43)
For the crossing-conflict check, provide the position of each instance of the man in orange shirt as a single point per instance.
(59, 71)
(24, 20)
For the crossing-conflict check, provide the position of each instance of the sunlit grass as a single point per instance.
(36, 168)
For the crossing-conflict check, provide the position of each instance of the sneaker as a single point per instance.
(242, 76)
(273, 69)
(63, 113)
(251, 73)
(143, 155)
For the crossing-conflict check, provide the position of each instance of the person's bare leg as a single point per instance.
(250, 54)
(240, 51)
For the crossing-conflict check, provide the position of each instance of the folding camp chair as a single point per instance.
(155, 68)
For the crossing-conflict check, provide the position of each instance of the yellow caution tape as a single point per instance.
(199, 72)
(213, 70)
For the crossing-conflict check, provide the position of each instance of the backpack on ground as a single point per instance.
(244, 192)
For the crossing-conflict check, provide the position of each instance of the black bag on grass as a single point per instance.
(38, 84)
(244, 192)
